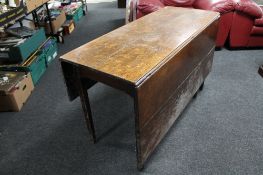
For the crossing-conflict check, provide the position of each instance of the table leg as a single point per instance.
(201, 87)
(260, 70)
(140, 163)
(121, 3)
(84, 97)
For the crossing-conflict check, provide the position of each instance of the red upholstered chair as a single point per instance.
(241, 20)
(179, 3)
(225, 7)
(144, 7)
(247, 26)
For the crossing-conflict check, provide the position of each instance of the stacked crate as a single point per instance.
(77, 15)
(28, 62)
(25, 54)
(38, 62)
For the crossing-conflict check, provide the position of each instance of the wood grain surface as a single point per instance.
(131, 53)
(154, 92)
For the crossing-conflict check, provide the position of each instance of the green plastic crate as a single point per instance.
(50, 49)
(23, 51)
(36, 65)
(51, 54)
(76, 16)
(81, 12)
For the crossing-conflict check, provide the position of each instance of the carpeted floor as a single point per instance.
(220, 132)
(260, 2)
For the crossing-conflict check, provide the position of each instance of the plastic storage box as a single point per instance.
(77, 15)
(36, 65)
(22, 51)
(50, 50)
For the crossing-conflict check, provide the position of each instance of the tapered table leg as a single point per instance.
(121, 3)
(260, 70)
(201, 87)
(84, 97)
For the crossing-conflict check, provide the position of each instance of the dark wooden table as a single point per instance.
(160, 60)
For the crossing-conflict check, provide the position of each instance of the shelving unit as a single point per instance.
(36, 19)
(13, 15)
(35, 16)
(26, 51)
(20, 13)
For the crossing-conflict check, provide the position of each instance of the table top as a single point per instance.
(133, 52)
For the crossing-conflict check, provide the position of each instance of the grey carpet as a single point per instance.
(260, 2)
(220, 132)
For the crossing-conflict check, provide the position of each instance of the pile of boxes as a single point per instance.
(61, 13)
(24, 54)
(58, 17)
(74, 11)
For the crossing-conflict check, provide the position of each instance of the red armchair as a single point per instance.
(225, 7)
(241, 20)
(247, 26)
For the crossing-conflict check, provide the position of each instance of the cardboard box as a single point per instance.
(68, 27)
(56, 23)
(17, 2)
(15, 88)
(33, 4)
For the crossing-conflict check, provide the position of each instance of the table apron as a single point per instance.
(150, 133)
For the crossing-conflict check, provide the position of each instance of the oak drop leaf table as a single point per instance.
(160, 60)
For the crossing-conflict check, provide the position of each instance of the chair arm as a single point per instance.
(179, 3)
(149, 6)
(221, 6)
(249, 7)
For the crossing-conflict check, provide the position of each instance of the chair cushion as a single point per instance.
(149, 6)
(257, 30)
(179, 3)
